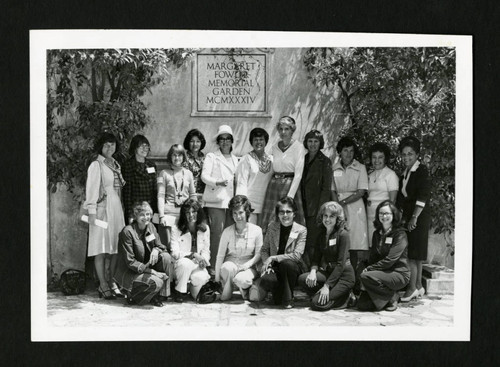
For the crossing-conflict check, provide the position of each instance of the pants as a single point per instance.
(282, 281)
(218, 220)
(381, 287)
(229, 275)
(187, 270)
(338, 293)
(357, 257)
(146, 286)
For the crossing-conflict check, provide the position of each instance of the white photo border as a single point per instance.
(43, 40)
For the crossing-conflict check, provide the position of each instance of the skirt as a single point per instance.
(277, 189)
(356, 221)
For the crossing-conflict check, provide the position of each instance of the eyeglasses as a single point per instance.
(283, 212)
(144, 146)
(384, 214)
(225, 139)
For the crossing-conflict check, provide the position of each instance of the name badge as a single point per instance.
(151, 170)
(332, 242)
(388, 240)
(294, 235)
(337, 173)
(150, 237)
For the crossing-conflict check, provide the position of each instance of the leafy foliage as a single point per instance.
(92, 91)
(390, 93)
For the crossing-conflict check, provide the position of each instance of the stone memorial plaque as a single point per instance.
(230, 84)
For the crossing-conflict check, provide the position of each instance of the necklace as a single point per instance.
(264, 162)
(375, 176)
(178, 193)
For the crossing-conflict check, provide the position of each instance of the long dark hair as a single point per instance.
(201, 221)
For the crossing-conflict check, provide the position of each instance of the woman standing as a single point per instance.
(413, 200)
(190, 250)
(140, 177)
(387, 266)
(175, 186)
(382, 182)
(144, 264)
(194, 142)
(218, 175)
(330, 284)
(103, 189)
(315, 185)
(288, 165)
(282, 254)
(254, 173)
(239, 250)
(350, 183)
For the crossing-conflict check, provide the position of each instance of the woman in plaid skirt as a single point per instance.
(288, 164)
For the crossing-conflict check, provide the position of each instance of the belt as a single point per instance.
(284, 175)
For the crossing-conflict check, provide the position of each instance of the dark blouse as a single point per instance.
(140, 185)
(195, 165)
(315, 183)
(389, 252)
(284, 234)
(332, 253)
(418, 189)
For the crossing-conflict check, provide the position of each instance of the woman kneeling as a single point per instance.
(190, 250)
(387, 270)
(331, 283)
(143, 261)
(239, 250)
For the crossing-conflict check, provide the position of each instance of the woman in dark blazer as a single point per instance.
(331, 277)
(315, 186)
(139, 174)
(281, 254)
(413, 200)
(143, 261)
(386, 271)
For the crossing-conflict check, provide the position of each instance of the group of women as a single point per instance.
(260, 223)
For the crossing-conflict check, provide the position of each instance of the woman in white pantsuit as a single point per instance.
(190, 250)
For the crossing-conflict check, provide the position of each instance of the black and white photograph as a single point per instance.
(223, 185)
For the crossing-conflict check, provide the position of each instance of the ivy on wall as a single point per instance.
(92, 91)
(390, 93)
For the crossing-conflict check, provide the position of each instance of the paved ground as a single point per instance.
(88, 310)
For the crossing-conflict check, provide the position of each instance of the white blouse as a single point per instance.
(291, 160)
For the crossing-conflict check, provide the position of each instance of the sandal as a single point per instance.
(107, 294)
(116, 291)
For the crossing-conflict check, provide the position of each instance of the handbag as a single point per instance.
(208, 292)
(73, 282)
(102, 196)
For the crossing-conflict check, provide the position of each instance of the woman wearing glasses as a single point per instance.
(281, 254)
(139, 174)
(386, 270)
(218, 175)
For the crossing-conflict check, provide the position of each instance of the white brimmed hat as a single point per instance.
(223, 129)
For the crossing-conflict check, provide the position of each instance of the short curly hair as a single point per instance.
(336, 209)
(410, 141)
(346, 142)
(288, 121)
(383, 148)
(258, 132)
(106, 138)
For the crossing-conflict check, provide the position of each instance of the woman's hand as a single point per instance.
(222, 183)
(311, 279)
(243, 267)
(412, 223)
(163, 221)
(159, 274)
(153, 258)
(202, 263)
(324, 295)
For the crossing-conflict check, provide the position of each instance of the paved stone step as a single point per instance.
(438, 286)
(437, 272)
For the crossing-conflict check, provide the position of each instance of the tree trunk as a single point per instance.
(93, 86)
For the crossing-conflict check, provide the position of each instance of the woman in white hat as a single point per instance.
(218, 175)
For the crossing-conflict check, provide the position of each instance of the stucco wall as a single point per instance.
(169, 105)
